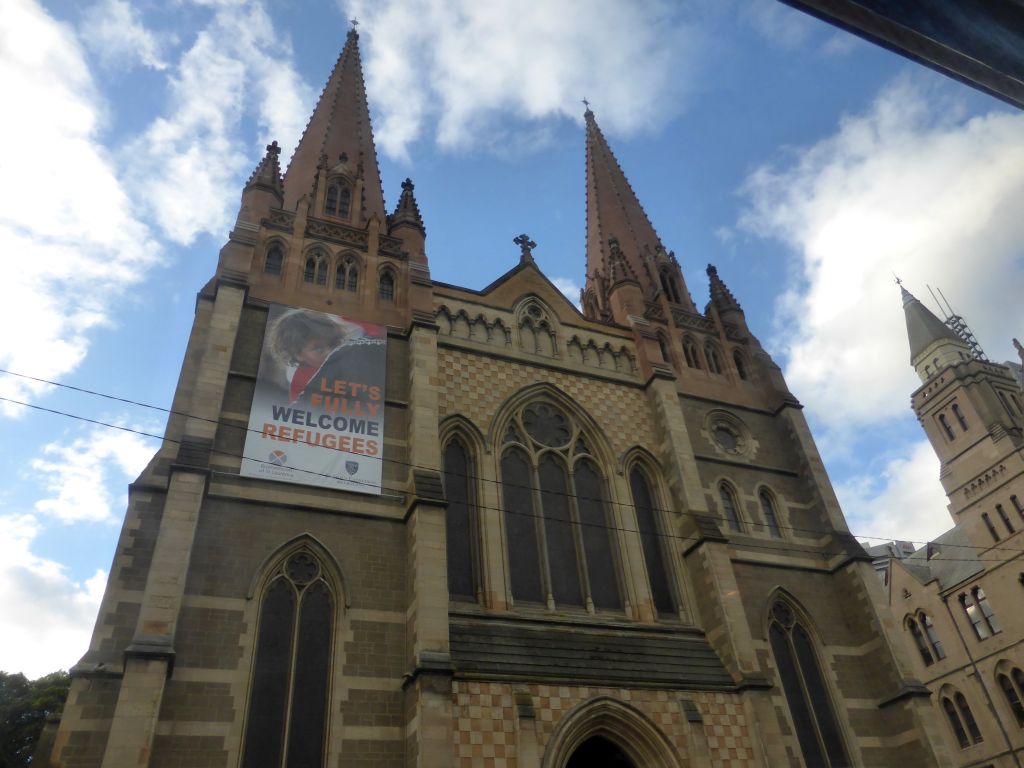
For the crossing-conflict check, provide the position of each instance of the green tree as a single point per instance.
(24, 705)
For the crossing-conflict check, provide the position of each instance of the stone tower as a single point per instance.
(397, 522)
(955, 598)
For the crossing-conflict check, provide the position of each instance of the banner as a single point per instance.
(317, 415)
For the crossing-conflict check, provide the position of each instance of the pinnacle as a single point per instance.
(721, 296)
(268, 171)
(407, 211)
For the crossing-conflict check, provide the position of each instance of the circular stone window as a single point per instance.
(547, 425)
(726, 438)
(728, 435)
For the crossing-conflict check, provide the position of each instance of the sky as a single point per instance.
(808, 165)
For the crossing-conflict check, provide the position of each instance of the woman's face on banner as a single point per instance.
(315, 351)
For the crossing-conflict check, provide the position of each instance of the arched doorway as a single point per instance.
(599, 752)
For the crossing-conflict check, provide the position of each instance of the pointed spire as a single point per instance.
(619, 270)
(613, 210)
(340, 125)
(268, 173)
(721, 296)
(407, 211)
(923, 327)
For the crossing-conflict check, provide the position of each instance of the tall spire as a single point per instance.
(340, 126)
(614, 212)
(933, 345)
(721, 296)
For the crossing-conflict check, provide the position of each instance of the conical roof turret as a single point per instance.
(923, 327)
(614, 213)
(339, 132)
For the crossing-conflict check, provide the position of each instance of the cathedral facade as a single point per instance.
(398, 522)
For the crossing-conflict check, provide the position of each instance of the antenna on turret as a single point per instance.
(958, 325)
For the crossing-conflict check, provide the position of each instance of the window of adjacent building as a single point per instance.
(979, 613)
(945, 426)
(920, 642)
(960, 417)
(991, 528)
(729, 509)
(338, 201)
(274, 261)
(561, 547)
(690, 353)
(741, 365)
(1012, 686)
(961, 719)
(771, 518)
(805, 690)
(711, 353)
(460, 521)
(347, 276)
(387, 286)
(315, 270)
(1017, 506)
(286, 723)
(651, 541)
(931, 635)
(1003, 516)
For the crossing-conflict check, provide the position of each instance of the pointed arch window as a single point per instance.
(771, 518)
(805, 690)
(991, 528)
(347, 276)
(931, 635)
(961, 719)
(669, 285)
(386, 287)
(663, 348)
(338, 201)
(1017, 506)
(561, 545)
(286, 722)
(1012, 686)
(274, 261)
(960, 417)
(980, 614)
(460, 521)
(740, 363)
(1005, 518)
(652, 542)
(945, 426)
(920, 642)
(315, 270)
(711, 353)
(729, 509)
(690, 353)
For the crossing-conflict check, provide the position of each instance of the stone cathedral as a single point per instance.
(398, 522)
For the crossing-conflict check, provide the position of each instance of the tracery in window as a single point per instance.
(286, 722)
(805, 690)
(652, 541)
(979, 613)
(460, 521)
(338, 201)
(690, 353)
(347, 276)
(1012, 685)
(771, 518)
(274, 260)
(729, 509)
(315, 270)
(561, 545)
(386, 288)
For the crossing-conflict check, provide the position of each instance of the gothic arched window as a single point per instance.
(945, 426)
(920, 642)
(286, 723)
(960, 417)
(663, 348)
(991, 528)
(1005, 518)
(1013, 690)
(690, 353)
(338, 201)
(803, 685)
(771, 518)
(711, 353)
(980, 614)
(386, 287)
(729, 510)
(347, 276)
(561, 547)
(961, 719)
(652, 542)
(741, 365)
(274, 260)
(315, 270)
(460, 520)
(931, 635)
(669, 286)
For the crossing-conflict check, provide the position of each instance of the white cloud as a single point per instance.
(114, 31)
(187, 164)
(469, 65)
(65, 220)
(903, 501)
(78, 474)
(569, 288)
(909, 187)
(46, 618)
(778, 24)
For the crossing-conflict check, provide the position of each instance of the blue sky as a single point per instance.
(806, 164)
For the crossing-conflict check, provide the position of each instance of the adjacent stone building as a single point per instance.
(600, 538)
(956, 598)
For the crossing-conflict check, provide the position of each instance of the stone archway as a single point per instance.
(599, 752)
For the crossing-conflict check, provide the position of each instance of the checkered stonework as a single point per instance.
(476, 386)
(485, 720)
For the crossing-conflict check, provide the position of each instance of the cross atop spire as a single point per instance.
(526, 246)
(340, 125)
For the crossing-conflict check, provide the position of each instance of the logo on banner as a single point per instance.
(278, 458)
(351, 467)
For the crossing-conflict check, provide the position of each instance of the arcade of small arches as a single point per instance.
(340, 273)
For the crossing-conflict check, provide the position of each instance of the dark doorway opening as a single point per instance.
(599, 752)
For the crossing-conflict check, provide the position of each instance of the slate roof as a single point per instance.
(953, 559)
(515, 650)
